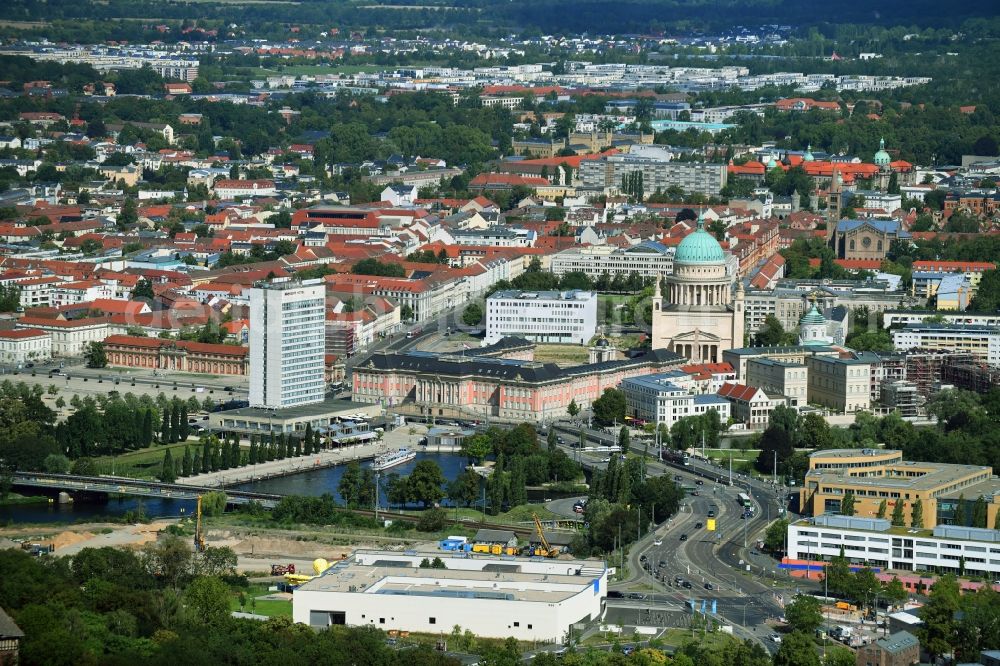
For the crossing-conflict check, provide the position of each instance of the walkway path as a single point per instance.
(285, 467)
(395, 439)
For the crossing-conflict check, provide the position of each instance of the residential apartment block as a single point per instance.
(981, 341)
(606, 174)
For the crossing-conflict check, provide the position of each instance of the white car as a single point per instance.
(776, 638)
(658, 542)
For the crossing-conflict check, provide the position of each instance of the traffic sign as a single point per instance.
(710, 525)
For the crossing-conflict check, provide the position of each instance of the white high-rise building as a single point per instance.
(287, 343)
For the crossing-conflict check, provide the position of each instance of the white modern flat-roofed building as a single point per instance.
(648, 259)
(981, 341)
(287, 343)
(530, 599)
(660, 399)
(542, 316)
(873, 542)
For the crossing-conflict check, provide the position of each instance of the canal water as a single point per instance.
(319, 481)
(313, 482)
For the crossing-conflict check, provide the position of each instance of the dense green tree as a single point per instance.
(609, 409)
(804, 614)
(898, 519)
(167, 474)
(95, 356)
(797, 649)
(472, 315)
(426, 483)
(938, 633)
(847, 504)
(774, 538)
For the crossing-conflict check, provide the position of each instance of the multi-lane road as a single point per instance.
(714, 563)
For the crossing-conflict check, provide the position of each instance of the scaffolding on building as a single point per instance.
(924, 367)
(971, 374)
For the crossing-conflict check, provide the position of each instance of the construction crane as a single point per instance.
(546, 550)
(199, 538)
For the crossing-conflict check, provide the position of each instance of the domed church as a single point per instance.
(695, 312)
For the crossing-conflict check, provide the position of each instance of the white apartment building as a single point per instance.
(84, 291)
(606, 174)
(869, 541)
(542, 316)
(648, 259)
(531, 599)
(25, 345)
(657, 399)
(232, 189)
(36, 292)
(776, 376)
(287, 343)
(982, 341)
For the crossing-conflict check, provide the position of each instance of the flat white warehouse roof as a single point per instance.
(489, 578)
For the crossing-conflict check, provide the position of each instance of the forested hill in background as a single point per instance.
(613, 16)
(532, 16)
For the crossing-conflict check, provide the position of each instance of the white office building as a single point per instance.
(568, 317)
(871, 541)
(660, 398)
(527, 599)
(287, 343)
(648, 259)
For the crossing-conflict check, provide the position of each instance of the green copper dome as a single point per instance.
(814, 316)
(808, 157)
(882, 158)
(771, 163)
(699, 247)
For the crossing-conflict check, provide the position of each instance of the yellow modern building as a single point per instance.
(946, 492)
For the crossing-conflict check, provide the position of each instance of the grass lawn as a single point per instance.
(142, 463)
(723, 454)
(561, 354)
(713, 640)
(268, 607)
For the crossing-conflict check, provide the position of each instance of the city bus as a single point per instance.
(744, 501)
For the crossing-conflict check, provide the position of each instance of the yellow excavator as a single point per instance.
(543, 548)
(199, 537)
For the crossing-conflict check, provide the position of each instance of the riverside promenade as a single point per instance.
(294, 465)
(406, 436)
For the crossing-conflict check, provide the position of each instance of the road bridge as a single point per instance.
(139, 487)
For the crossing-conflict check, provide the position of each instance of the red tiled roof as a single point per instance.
(738, 391)
(22, 333)
(492, 179)
(156, 343)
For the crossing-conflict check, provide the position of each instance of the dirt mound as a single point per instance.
(268, 546)
(64, 539)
